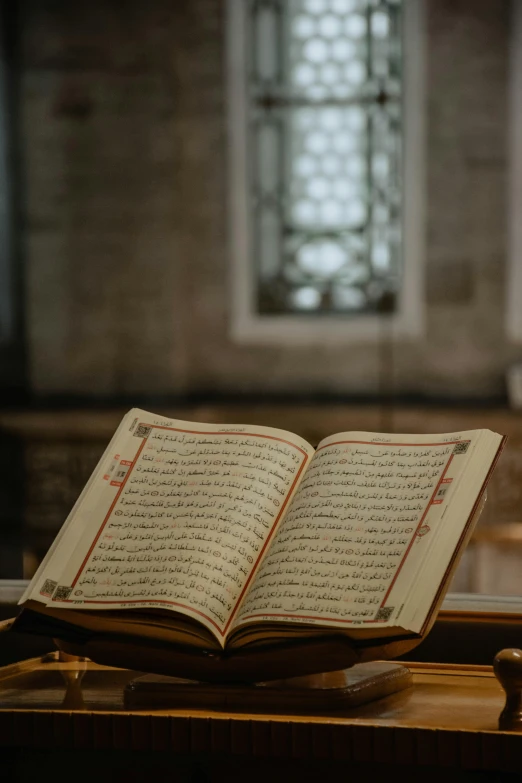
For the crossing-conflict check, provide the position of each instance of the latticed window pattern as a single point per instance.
(325, 141)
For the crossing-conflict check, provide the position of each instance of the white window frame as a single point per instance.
(514, 260)
(408, 322)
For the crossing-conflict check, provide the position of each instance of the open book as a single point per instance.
(227, 537)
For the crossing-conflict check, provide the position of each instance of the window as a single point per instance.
(326, 208)
(6, 304)
(514, 276)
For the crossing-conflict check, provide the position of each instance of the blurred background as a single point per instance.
(297, 213)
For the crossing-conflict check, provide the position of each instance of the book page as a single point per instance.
(363, 519)
(71, 523)
(180, 521)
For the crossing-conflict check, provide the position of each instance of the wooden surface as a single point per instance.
(348, 688)
(447, 720)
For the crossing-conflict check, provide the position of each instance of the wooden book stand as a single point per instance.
(245, 680)
(280, 678)
(277, 662)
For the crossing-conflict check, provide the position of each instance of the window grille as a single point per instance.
(325, 145)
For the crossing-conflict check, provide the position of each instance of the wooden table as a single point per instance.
(71, 717)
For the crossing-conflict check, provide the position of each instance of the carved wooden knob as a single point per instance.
(508, 671)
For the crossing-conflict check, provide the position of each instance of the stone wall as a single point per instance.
(125, 150)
